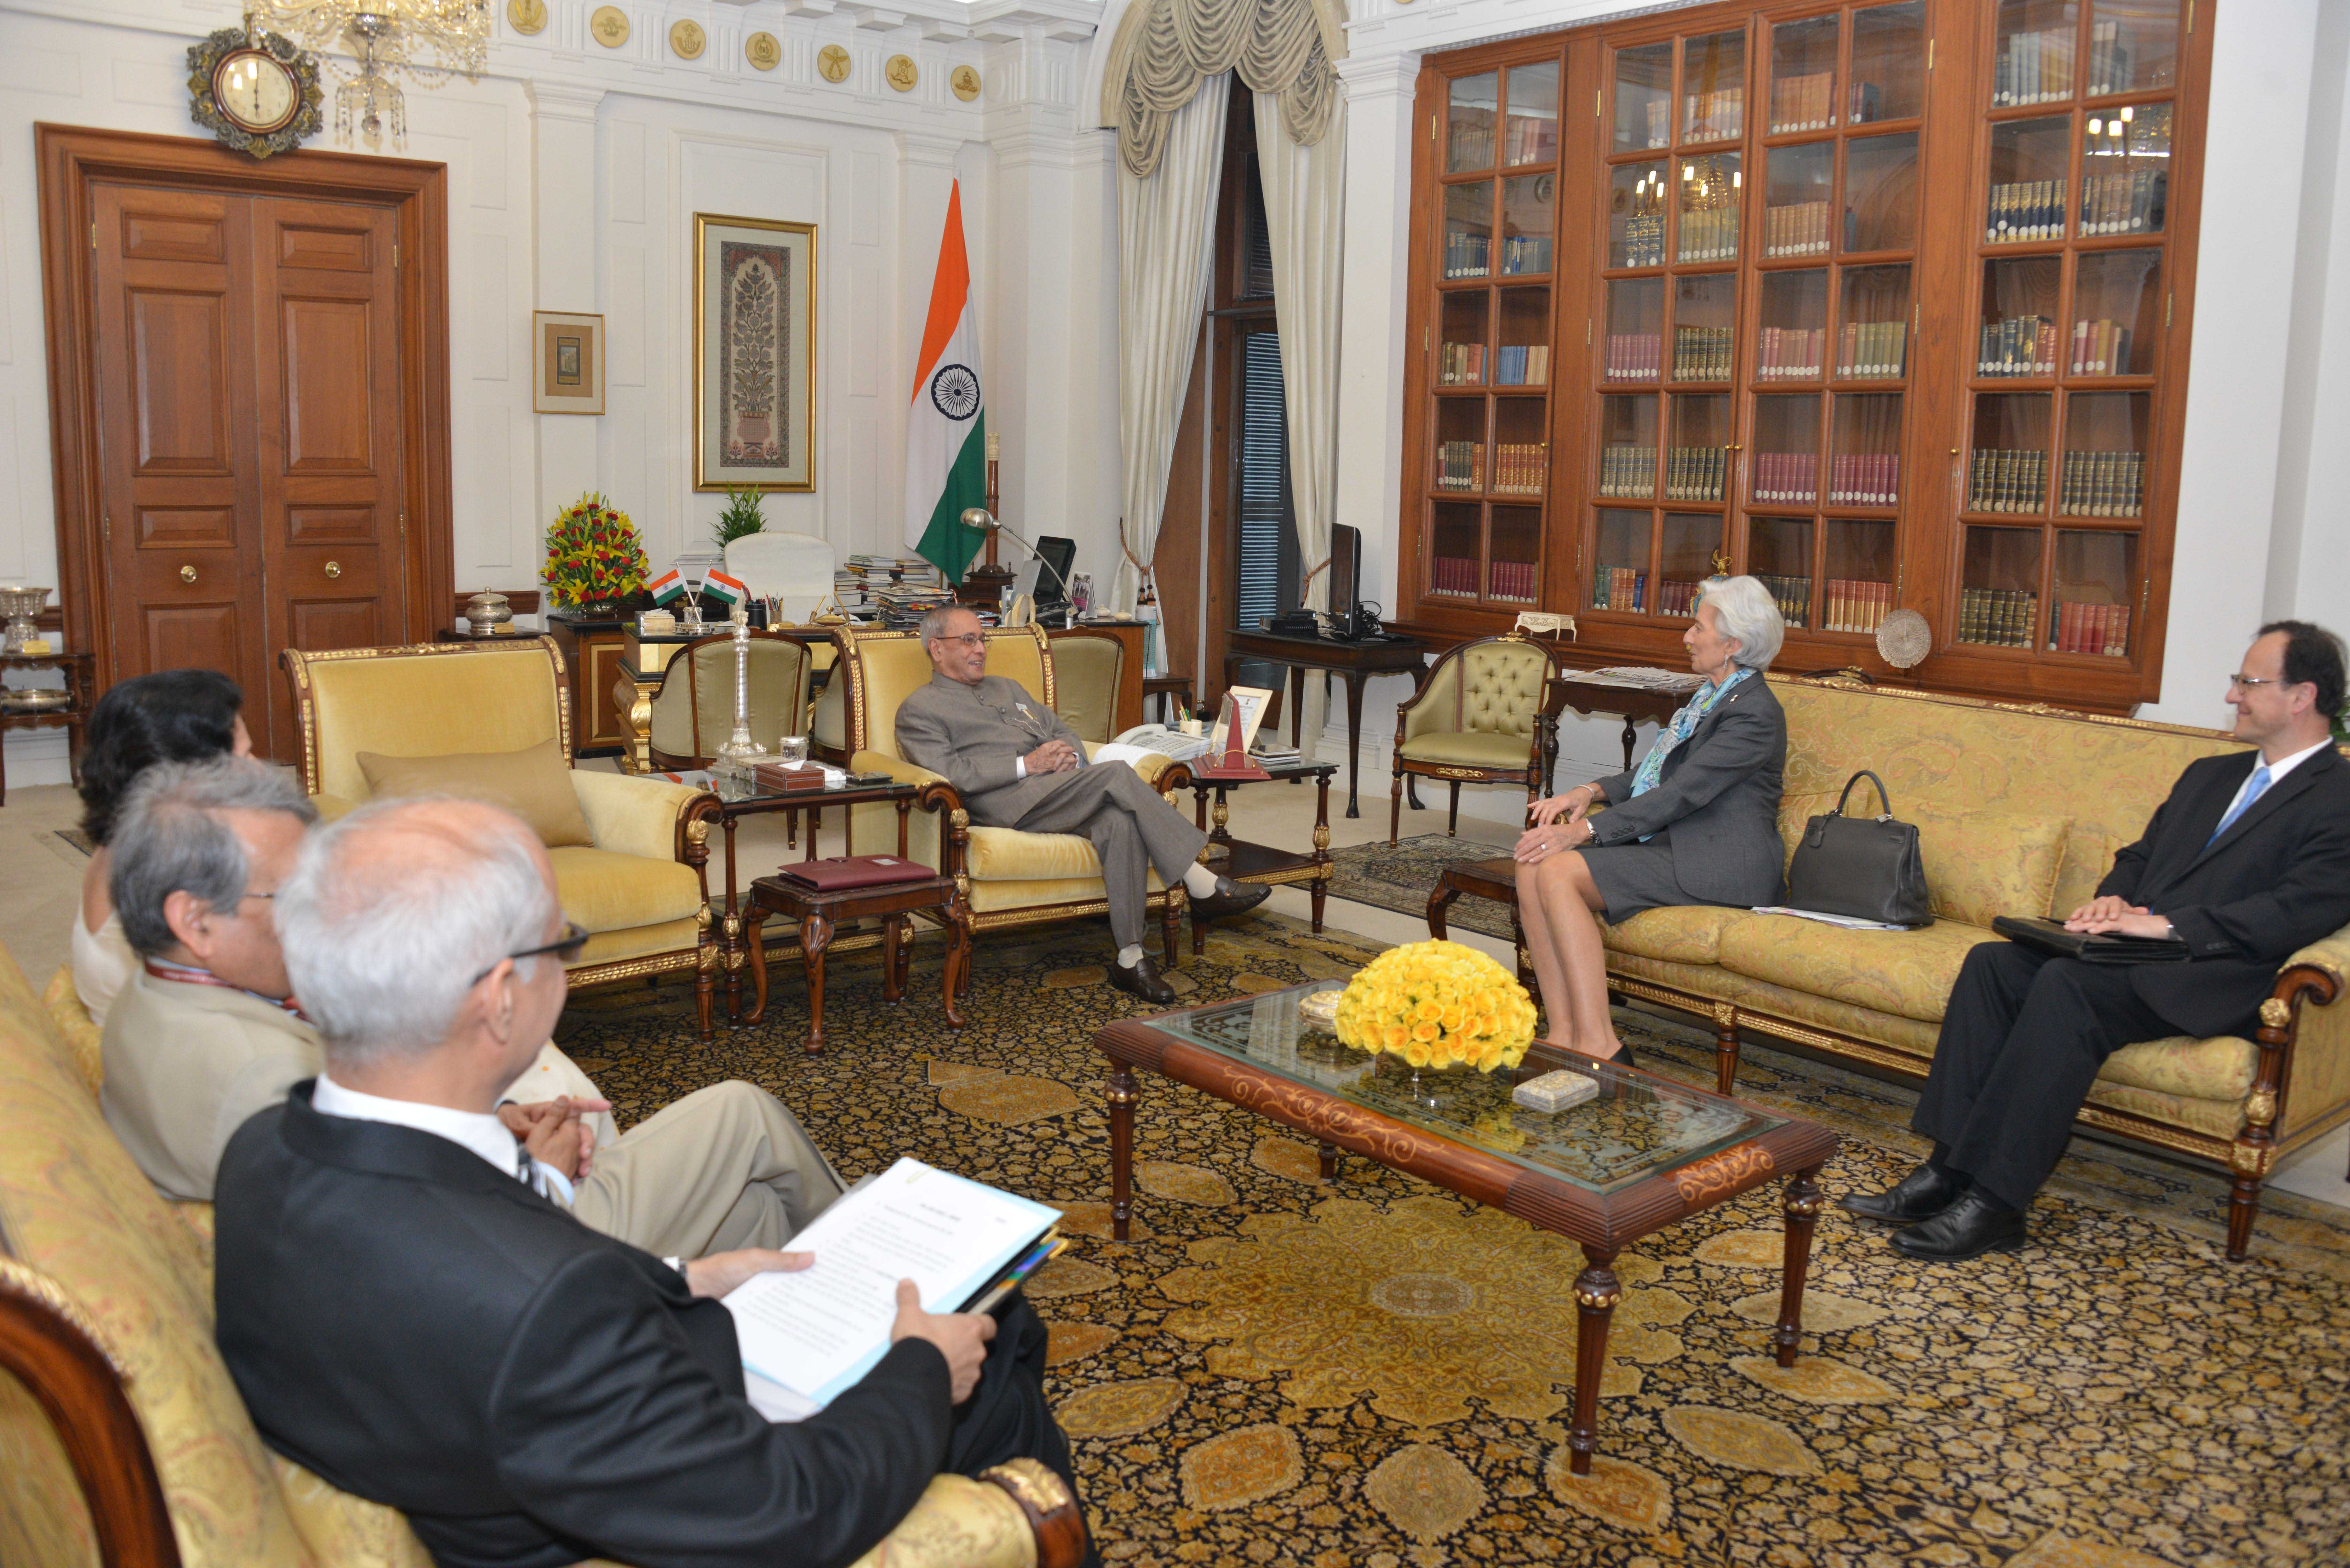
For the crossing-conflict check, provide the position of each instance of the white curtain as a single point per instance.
(1166, 242)
(1305, 208)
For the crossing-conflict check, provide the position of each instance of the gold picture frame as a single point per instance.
(754, 353)
(567, 362)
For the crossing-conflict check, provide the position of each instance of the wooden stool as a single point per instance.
(819, 914)
(1496, 880)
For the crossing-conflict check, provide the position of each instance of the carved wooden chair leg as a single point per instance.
(1170, 916)
(1453, 813)
(1438, 903)
(1395, 807)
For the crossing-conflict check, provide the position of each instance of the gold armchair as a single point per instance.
(1475, 720)
(641, 887)
(1004, 877)
(694, 707)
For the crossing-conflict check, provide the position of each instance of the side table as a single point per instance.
(1351, 661)
(1629, 703)
(819, 914)
(78, 669)
(1262, 863)
(1162, 687)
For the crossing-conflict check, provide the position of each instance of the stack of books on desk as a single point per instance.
(1270, 749)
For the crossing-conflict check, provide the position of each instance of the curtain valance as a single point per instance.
(1163, 49)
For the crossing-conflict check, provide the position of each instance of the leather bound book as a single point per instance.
(844, 873)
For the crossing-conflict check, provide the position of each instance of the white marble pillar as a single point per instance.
(564, 272)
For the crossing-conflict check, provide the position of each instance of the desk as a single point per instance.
(1351, 660)
(1630, 703)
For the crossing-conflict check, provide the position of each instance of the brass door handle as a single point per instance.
(187, 574)
(334, 568)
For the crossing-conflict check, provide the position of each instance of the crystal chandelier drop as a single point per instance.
(426, 40)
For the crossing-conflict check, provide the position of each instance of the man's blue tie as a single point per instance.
(2259, 787)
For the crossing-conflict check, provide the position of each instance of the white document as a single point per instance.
(1849, 922)
(811, 1333)
(1151, 741)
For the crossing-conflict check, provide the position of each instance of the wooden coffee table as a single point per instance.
(820, 914)
(1644, 1154)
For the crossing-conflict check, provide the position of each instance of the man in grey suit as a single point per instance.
(1017, 765)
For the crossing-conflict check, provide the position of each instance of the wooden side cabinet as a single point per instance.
(592, 650)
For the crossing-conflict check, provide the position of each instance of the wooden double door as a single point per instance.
(250, 401)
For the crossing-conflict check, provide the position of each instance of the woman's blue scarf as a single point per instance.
(1684, 724)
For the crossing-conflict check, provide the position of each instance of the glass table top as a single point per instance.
(1636, 1127)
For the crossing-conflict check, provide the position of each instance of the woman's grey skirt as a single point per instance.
(1635, 877)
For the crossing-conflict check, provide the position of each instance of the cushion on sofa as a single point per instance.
(608, 892)
(1681, 933)
(1904, 972)
(1978, 864)
(534, 783)
(2220, 1068)
(1008, 855)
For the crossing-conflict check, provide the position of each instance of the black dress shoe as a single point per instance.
(1920, 1195)
(1968, 1228)
(1142, 980)
(1229, 898)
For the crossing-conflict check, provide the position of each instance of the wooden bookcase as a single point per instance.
(1886, 303)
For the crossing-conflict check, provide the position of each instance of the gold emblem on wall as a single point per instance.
(686, 40)
(965, 82)
(526, 17)
(609, 27)
(832, 63)
(900, 73)
(762, 50)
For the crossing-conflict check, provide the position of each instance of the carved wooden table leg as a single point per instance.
(1725, 1046)
(1595, 1295)
(1123, 1093)
(1329, 1161)
(753, 919)
(1803, 1212)
(815, 935)
(893, 937)
(1321, 848)
(956, 974)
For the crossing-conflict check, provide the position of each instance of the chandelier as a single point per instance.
(425, 40)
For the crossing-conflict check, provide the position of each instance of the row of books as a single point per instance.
(1802, 103)
(1793, 596)
(1620, 588)
(1786, 476)
(1520, 468)
(1627, 471)
(1704, 353)
(1677, 596)
(2102, 484)
(1791, 353)
(1865, 479)
(1643, 239)
(2018, 346)
(1660, 119)
(1997, 618)
(2131, 203)
(2025, 210)
(1525, 253)
(1632, 355)
(1516, 580)
(1454, 577)
(1522, 365)
(1457, 363)
(2091, 628)
(1873, 351)
(859, 582)
(1798, 229)
(1459, 464)
(1716, 115)
(2001, 478)
(2035, 67)
(2101, 348)
(1710, 234)
(2112, 60)
(1471, 138)
(1529, 139)
(1467, 254)
(1856, 604)
(1695, 472)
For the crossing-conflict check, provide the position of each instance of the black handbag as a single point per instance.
(1866, 869)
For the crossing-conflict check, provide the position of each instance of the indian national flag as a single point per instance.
(666, 588)
(946, 444)
(719, 586)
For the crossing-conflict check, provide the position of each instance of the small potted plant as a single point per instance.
(741, 515)
(595, 556)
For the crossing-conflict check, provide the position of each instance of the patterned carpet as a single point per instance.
(1373, 1371)
(1401, 878)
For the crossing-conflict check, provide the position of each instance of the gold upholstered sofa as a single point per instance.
(2019, 811)
(1004, 877)
(641, 886)
(122, 1439)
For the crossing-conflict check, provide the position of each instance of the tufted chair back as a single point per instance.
(693, 714)
(1500, 682)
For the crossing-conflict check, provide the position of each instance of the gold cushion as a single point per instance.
(1978, 864)
(1008, 855)
(608, 892)
(76, 1032)
(1471, 749)
(422, 701)
(345, 1531)
(2220, 1068)
(1681, 933)
(534, 783)
(1039, 893)
(1086, 670)
(1908, 973)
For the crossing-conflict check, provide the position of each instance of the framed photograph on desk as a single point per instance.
(754, 354)
(1252, 700)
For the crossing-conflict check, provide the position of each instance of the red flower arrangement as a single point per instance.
(593, 552)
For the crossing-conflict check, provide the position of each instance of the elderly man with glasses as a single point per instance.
(2246, 862)
(210, 1032)
(1017, 765)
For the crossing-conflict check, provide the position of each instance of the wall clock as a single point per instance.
(258, 92)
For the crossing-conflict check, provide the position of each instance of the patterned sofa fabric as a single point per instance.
(1908, 974)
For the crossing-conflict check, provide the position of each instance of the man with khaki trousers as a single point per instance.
(1017, 765)
(207, 1034)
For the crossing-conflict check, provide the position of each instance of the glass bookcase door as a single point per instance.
(1628, 448)
(1861, 573)
(1636, 326)
(1513, 566)
(1999, 600)
(2116, 314)
(1522, 338)
(1889, 63)
(2019, 334)
(2126, 170)
(1636, 215)
(2094, 588)
(1463, 336)
(1786, 466)
(2031, 164)
(1873, 323)
(2104, 472)
(1798, 200)
(1459, 444)
(1697, 464)
(1644, 98)
(1779, 553)
(1530, 134)
(1865, 463)
(1713, 87)
(1712, 189)
(1469, 230)
(1527, 222)
(1454, 562)
(2037, 52)
(1791, 339)
(1620, 575)
(2133, 46)
(1705, 326)
(1521, 464)
(2007, 471)
(1881, 193)
(1803, 75)
(1469, 123)
(1686, 560)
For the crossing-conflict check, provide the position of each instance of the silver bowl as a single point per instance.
(35, 700)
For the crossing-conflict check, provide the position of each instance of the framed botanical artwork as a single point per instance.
(566, 375)
(754, 354)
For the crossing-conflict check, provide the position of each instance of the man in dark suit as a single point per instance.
(1017, 765)
(2247, 861)
(406, 1314)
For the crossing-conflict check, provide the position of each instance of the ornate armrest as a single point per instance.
(2296, 1020)
(638, 815)
(1435, 708)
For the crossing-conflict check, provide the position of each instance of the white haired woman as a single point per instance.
(1696, 823)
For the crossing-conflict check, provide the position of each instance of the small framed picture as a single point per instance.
(1252, 700)
(567, 362)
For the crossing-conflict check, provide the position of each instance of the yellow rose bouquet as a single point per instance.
(1437, 1004)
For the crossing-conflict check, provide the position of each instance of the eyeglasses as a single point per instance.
(565, 947)
(2246, 682)
(969, 639)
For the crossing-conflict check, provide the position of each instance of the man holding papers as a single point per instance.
(406, 1314)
